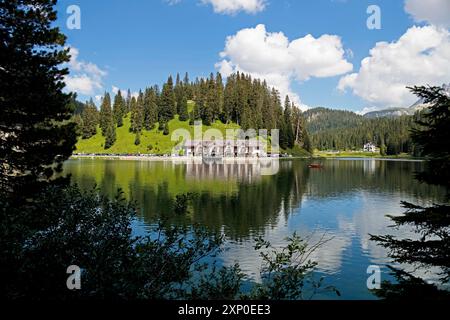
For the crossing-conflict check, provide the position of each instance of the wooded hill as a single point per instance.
(346, 130)
(143, 123)
(241, 102)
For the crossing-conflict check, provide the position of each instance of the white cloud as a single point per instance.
(234, 6)
(421, 56)
(230, 7)
(436, 12)
(271, 56)
(85, 77)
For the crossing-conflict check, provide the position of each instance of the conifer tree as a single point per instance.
(137, 113)
(128, 103)
(110, 134)
(36, 134)
(289, 134)
(106, 116)
(167, 103)
(90, 118)
(119, 109)
(187, 87)
(183, 110)
(150, 109)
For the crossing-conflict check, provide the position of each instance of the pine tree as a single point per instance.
(106, 116)
(119, 109)
(90, 118)
(187, 87)
(179, 95)
(183, 109)
(167, 103)
(36, 136)
(219, 94)
(110, 135)
(289, 134)
(150, 109)
(137, 113)
(128, 103)
(209, 104)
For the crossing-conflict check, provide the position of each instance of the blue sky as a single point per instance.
(137, 43)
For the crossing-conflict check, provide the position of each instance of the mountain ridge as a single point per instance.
(401, 111)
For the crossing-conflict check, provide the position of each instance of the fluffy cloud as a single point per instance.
(436, 12)
(271, 56)
(85, 77)
(235, 6)
(231, 7)
(421, 56)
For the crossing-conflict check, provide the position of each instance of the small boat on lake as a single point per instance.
(315, 166)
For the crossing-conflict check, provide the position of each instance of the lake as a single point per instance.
(346, 200)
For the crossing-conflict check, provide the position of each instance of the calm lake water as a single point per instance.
(346, 200)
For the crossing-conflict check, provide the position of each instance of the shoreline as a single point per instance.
(233, 159)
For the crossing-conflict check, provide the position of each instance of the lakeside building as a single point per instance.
(369, 147)
(223, 148)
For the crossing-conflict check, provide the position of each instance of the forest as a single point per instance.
(346, 130)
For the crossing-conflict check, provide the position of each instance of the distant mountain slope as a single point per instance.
(397, 112)
(391, 112)
(320, 119)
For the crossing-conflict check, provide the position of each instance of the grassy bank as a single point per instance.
(356, 154)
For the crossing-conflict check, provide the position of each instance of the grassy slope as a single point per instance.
(160, 143)
(125, 139)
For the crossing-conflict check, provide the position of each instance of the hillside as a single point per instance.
(151, 142)
(345, 130)
(321, 119)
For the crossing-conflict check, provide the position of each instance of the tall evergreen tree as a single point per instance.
(110, 135)
(35, 134)
(119, 109)
(107, 123)
(90, 118)
(137, 113)
(183, 108)
(128, 103)
(150, 109)
(106, 116)
(290, 138)
(167, 103)
(187, 87)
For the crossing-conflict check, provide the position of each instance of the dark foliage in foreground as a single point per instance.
(88, 230)
(65, 226)
(432, 224)
(35, 134)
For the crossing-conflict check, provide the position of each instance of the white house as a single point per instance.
(369, 147)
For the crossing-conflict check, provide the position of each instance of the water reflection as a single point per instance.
(347, 200)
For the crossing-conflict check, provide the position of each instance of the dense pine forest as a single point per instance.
(346, 130)
(243, 102)
(246, 102)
